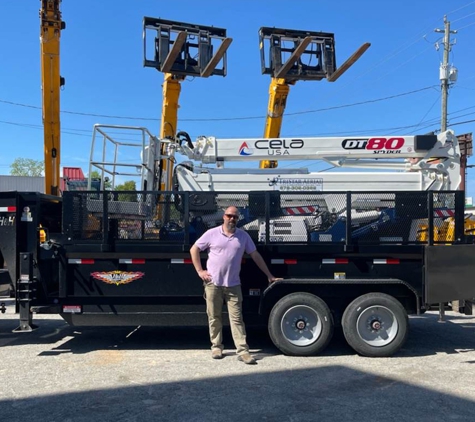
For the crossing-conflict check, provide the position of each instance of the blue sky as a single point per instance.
(101, 59)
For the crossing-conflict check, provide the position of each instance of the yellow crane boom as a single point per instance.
(180, 50)
(168, 125)
(51, 82)
(295, 55)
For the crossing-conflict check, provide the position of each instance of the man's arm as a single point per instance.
(257, 258)
(196, 259)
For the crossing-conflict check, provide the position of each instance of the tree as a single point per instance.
(127, 186)
(27, 167)
(96, 175)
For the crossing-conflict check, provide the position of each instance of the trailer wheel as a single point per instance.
(375, 325)
(300, 324)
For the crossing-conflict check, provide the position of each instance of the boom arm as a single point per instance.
(51, 82)
(171, 94)
(423, 161)
(180, 50)
(343, 149)
(278, 92)
(296, 55)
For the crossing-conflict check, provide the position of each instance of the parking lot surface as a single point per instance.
(69, 374)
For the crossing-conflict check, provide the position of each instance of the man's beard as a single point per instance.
(231, 225)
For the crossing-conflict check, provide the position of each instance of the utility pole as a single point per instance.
(446, 72)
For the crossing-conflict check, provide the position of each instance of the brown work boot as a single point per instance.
(217, 354)
(247, 359)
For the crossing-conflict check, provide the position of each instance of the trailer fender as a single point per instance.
(278, 289)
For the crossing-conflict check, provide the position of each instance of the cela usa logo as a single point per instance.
(245, 150)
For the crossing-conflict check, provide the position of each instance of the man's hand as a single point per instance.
(272, 279)
(205, 276)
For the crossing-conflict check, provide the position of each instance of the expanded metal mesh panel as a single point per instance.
(166, 221)
(269, 217)
(444, 217)
(183, 217)
(131, 214)
(146, 216)
(380, 218)
(83, 215)
(304, 217)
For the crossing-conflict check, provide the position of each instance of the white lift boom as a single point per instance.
(421, 162)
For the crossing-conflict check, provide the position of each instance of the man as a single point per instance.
(226, 245)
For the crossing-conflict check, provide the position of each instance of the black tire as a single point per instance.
(375, 325)
(300, 324)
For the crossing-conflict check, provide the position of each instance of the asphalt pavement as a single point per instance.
(66, 374)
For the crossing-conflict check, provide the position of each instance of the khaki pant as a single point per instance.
(215, 297)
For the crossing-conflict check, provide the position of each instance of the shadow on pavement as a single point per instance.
(330, 393)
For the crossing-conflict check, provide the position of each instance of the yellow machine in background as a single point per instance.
(295, 55)
(445, 232)
(181, 50)
(51, 82)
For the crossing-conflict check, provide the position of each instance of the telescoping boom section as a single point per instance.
(419, 163)
(422, 162)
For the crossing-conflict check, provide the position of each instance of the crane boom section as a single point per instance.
(212, 150)
(418, 162)
(51, 25)
(179, 50)
(169, 122)
(278, 92)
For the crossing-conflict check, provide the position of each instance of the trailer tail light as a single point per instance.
(386, 261)
(131, 261)
(284, 261)
(181, 261)
(335, 261)
(80, 261)
(7, 209)
(72, 309)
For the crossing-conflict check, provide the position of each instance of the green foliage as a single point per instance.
(127, 186)
(96, 175)
(27, 167)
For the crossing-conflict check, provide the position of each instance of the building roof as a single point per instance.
(22, 183)
(73, 173)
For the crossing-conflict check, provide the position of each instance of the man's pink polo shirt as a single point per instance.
(225, 254)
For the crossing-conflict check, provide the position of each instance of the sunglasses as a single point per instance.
(235, 217)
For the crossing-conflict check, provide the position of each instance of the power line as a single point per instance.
(460, 8)
(417, 126)
(231, 118)
(361, 102)
(462, 123)
(463, 17)
(466, 26)
(430, 109)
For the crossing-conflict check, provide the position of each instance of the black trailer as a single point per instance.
(364, 260)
